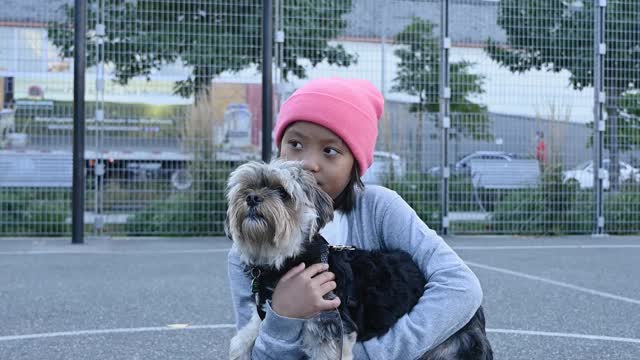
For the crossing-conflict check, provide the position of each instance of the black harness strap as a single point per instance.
(264, 278)
(264, 281)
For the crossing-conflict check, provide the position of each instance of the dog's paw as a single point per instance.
(238, 349)
(348, 340)
(241, 345)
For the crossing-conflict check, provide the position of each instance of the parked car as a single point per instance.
(582, 175)
(462, 166)
(384, 165)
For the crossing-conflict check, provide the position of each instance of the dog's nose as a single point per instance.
(253, 200)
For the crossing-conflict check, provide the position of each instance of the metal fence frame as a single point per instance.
(447, 190)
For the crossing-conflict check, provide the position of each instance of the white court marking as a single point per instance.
(221, 250)
(564, 335)
(546, 247)
(114, 331)
(554, 282)
(232, 326)
(112, 252)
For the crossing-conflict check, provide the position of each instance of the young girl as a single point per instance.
(332, 125)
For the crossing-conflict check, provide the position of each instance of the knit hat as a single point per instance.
(350, 108)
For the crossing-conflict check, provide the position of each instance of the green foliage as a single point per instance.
(201, 210)
(421, 193)
(621, 210)
(35, 211)
(419, 75)
(559, 35)
(208, 37)
(556, 208)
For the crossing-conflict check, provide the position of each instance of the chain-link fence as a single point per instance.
(532, 106)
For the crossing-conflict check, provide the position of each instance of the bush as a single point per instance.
(622, 210)
(421, 193)
(200, 210)
(42, 211)
(556, 208)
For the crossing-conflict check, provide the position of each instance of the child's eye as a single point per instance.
(295, 144)
(331, 151)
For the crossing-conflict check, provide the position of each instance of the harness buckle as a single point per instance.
(341, 247)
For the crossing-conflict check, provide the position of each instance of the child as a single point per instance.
(332, 125)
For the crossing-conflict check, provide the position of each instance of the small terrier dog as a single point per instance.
(275, 212)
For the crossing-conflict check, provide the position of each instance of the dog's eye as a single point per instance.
(282, 193)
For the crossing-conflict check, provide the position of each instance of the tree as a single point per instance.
(419, 73)
(559, 35)
(207, 37)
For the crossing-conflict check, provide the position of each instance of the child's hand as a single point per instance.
(299, 293)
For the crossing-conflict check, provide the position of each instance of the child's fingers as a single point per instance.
(314, 269)
(293, 272)
(323, 277)
(327, 286)
(330, 304)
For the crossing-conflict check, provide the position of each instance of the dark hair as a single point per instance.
(346, 200)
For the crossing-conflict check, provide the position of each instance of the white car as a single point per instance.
(582, 174)
(384, 164)
(461, 167)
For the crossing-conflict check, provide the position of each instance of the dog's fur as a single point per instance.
(274, 215)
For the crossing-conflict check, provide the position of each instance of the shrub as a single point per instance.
(41, 211)
(421, 193)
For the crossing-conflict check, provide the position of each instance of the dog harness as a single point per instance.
(265, 278)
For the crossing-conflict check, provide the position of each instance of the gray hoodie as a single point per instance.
(381, 219)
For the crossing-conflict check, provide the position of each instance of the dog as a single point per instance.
(275, 212)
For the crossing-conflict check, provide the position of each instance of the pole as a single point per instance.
(267, 86)
(445, 117)
(599, 121)
(77, 232)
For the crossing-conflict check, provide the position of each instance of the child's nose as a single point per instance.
(310, 164)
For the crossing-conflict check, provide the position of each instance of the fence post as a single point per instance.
(99, 166)
(444, 114)
(79, 65)
(267, 89)
(599, 121)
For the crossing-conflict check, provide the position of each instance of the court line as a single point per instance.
(545, 247)
(221, 250)
(232, 326)
(114, 331)
(564, 335)
(110, 252)
(554, 282)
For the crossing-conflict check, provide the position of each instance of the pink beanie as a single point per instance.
(350, 108)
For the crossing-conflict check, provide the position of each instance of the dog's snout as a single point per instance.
(253, 200)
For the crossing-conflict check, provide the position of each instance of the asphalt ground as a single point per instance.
(559, 298)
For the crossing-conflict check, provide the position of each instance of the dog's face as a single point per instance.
(273, 209)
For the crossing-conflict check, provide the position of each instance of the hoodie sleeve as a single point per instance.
(451, 297)
(279, 337)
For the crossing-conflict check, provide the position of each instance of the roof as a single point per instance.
(32, 11)
(472, 21)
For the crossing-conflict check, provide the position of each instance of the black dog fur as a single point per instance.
(376, 288)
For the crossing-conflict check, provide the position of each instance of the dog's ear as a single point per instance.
(320, 199)
(324, 207)
(227, 230)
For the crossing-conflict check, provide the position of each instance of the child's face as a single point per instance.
(322, 152)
